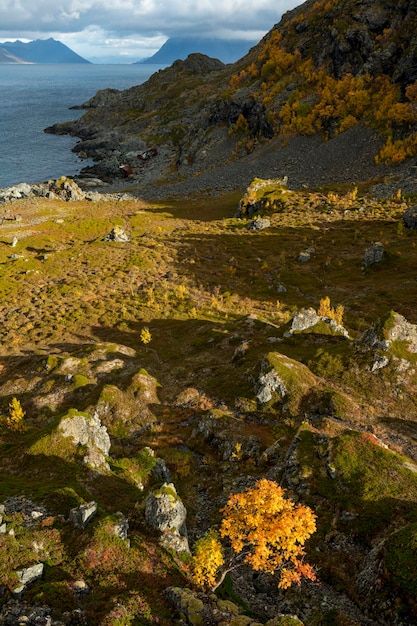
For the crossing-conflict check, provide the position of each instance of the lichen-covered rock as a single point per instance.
(117, 234)
(165, 511)
(83, 514)
(309, 320)
(263, 194)
(391, 330)
(26, 576)
(282, 378)
(124, 412)
(260, 223)
(269, 384)
(87, 431)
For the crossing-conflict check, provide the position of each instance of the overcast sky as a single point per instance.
(135, 29)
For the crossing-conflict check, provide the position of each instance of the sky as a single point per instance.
(130, 30)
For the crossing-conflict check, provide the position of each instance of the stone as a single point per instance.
(304, 257)
(374, 254)
(260, 223)
(80, 587)
(160, 472)
(26, 576)
(379, 363)
(88, 431)
(268, 384)
(122, 526)
(306, 318)
(117, 234)
(165, 511)
(410, 217)
(83, 514)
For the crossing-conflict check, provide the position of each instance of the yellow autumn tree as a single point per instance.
(208, 559)
(14, 420)
(265, 530)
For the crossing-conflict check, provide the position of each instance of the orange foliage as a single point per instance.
(269, 531)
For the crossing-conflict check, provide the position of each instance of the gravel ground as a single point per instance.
(307, 161)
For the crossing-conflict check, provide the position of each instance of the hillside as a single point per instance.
(39, 51)
(227, 50)
(236, 306)
(325, 72)
(178, 343)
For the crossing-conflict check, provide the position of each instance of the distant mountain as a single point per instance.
(6, 57)
(225, 50)
(38, 51)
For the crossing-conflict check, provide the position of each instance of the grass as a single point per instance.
(73, 308)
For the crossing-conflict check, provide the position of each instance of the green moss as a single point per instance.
(80, 381)
(400, 560)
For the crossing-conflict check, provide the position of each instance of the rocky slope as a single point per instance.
(167, 355)
(326, 69)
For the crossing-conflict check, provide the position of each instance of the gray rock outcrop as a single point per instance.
(165, 511)
(308, 318)
(88, 431)
(394, 327)
(26, 576)
(268, 384)
(83, 514)
(410, 217)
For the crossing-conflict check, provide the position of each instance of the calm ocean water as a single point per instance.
(33, 97)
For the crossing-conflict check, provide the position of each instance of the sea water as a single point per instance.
(33, 97)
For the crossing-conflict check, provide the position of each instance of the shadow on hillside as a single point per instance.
(258, 264)
(403, 426)
(202, 210)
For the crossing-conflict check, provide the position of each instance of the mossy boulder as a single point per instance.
(283, 379)
(392, 334)
(76, 434)
(264, 195)
(165, 511)
(126, 411)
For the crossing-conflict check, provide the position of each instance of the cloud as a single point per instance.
(136, 25)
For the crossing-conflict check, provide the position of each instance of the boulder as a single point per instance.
(122, 526)
(88, 431)
(83, 514)
(392, 328)
(268, 384)
(117, 234)
(259, 223)
(308, 318)
(374, 254)
(165, 512)
(27, 576)
(410, 217)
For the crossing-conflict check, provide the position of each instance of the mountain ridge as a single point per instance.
(226, 50)
(39, 51)
(304, 78)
